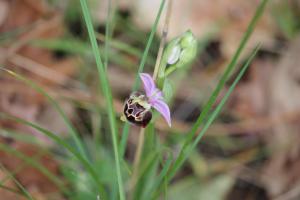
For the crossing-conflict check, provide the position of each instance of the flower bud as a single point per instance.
(188, 45)
(180, 51)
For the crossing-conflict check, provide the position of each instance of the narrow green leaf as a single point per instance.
(106, 91)
(62, 143)
(67, 122)
(193, 188)
(23, 192)
(183, 152)
(180, 160)
(227, 72)
(33, 163)
(20, 136)
(187, 151)
(15, 191)
(161, 177)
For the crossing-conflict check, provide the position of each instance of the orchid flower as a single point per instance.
(155, 97)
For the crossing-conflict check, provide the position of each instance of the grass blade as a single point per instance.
(23, 192)
(185, 152)
(60, 142)
(161, 177)
(124, 47)
(180, 160)
(125, 131)
(33, 163)
(221, 83)
(106, 91)
(17, 192)
(67, 122)
(20, 136)
(227, 72)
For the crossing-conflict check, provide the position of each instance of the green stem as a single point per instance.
(125, 131)
(137, 159)
(205, 112)
(141, 141)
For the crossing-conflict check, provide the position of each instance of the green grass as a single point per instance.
(61, 112)
(60, 142)
(107, 93)
(34, 164)
(189, 141)
(23, 191)
(224, 77)
(157, 166)
(187, 150)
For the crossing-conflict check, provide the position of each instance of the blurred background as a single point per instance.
(250, 152)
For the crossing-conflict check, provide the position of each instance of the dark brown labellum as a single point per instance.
(135, 110)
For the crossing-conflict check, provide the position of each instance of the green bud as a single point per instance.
(180, 52)
(188, 45)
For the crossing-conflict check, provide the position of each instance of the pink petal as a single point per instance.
(156, 95)
(149, 85)
(162, 108)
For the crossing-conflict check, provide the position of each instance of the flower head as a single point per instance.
(155, 97)
(137, 110)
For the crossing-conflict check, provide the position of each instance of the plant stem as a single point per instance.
(140, 145)
(139, 148)
(137, 158)
(163, 40)
(125, 131)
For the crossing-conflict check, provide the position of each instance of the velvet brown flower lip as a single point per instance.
(137, 108)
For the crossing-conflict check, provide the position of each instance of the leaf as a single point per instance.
(168, 90)
(192, 189)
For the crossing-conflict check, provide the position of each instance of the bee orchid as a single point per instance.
(137, 108)
(155, 97)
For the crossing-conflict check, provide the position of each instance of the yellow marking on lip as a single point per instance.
(123, 118)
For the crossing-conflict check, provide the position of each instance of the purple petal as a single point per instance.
(162, 108)
(158, 94)
(149, 85)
